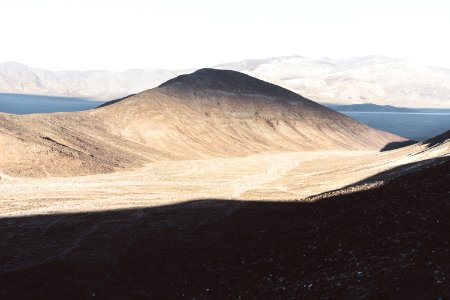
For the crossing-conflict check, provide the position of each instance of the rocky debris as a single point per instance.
(387, 241)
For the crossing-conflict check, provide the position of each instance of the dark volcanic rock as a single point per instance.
(387, 242)
(227, 80)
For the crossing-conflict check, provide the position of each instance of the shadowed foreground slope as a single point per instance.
(387, 242)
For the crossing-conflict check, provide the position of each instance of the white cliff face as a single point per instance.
(371, 79)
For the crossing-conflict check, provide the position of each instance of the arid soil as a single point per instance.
(386, 237)
(282, 176)
(217, 186)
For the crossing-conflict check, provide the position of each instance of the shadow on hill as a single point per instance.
(397, 145)
(115, 101)
(404, 169)
(438, 139)
(391, 241)
(430, 143)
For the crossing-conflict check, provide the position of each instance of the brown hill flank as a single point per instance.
(208, 113)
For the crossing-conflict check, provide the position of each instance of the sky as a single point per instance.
(175, 34)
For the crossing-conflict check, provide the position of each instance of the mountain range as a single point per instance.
(99, 85)
(371, 79)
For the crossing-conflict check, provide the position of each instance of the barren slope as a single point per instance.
(268, 176)
(209, 113)
(385, 239)
(65, 144)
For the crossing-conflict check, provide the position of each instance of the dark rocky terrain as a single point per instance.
(387, 242)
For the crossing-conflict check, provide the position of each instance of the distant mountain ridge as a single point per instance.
(370, 107)
(94, 84)
(371, 79)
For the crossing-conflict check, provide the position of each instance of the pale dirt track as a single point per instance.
(271, 176)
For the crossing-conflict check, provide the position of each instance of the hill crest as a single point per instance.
(226, 80)
(207, 114)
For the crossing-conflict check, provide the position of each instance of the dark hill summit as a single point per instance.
(226, 112)
(228, 81)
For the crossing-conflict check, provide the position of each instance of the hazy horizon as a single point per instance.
(322, 58)
(116, 35)
(216, 65)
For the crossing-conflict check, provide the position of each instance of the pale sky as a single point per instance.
(119, 35)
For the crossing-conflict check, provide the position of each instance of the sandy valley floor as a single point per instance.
(283, 176)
